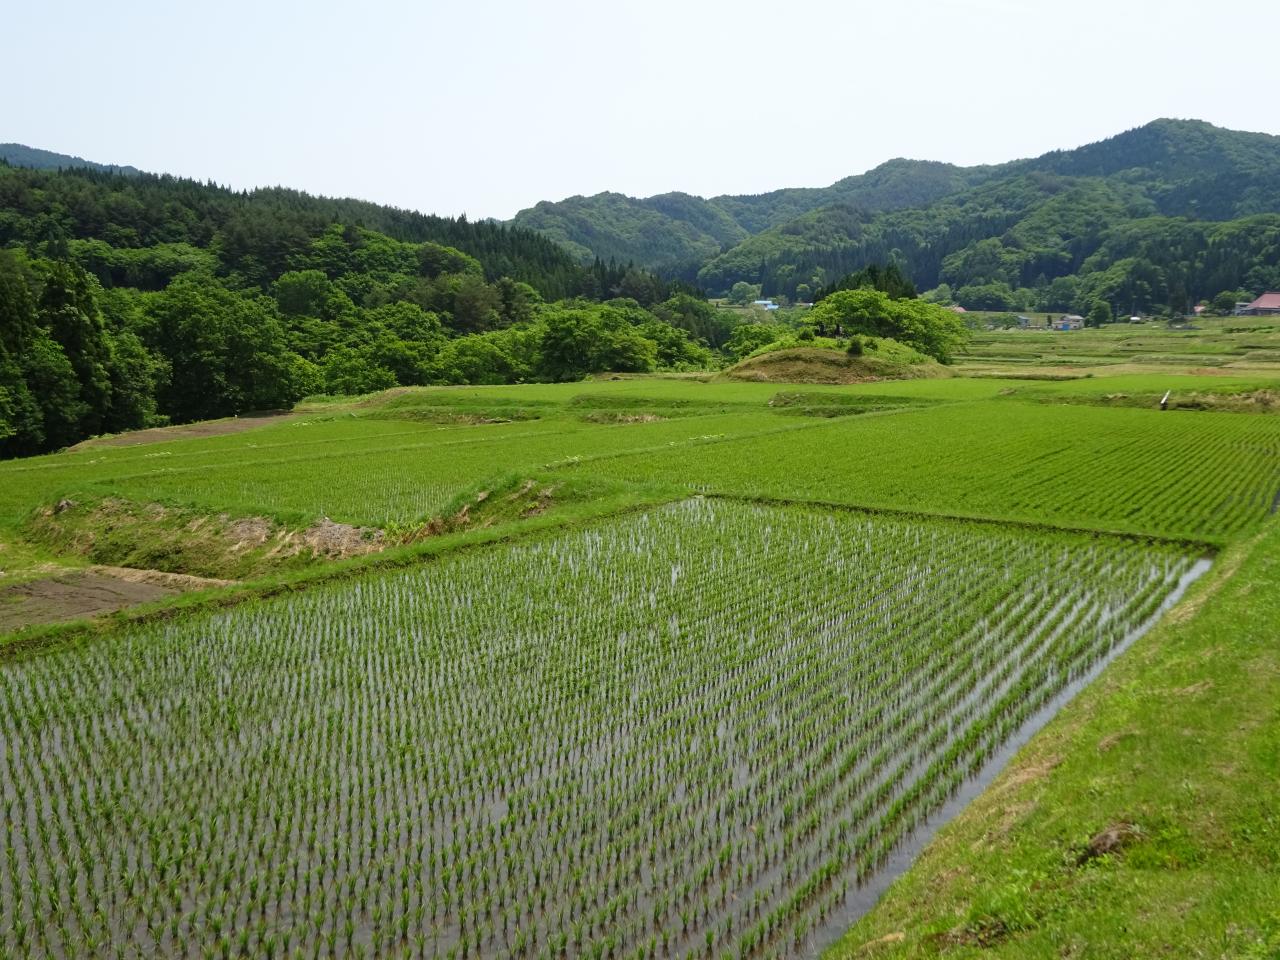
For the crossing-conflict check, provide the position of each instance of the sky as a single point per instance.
(485, 107)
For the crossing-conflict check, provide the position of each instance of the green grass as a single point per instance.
(1140, 383)
(24, 484)
(415, 477)
(377, 462)
(365, 465)
(1181, 739)
(1230, 343)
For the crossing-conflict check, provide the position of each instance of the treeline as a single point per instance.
(888, 278)
(128, 302)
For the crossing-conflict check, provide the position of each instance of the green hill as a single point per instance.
(1153, 219)
(20, 155)
(1057, 232)
(894, 185)
(676, 232)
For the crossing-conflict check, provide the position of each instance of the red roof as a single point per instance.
(1268, 301)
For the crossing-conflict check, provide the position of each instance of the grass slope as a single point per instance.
(1177, 746)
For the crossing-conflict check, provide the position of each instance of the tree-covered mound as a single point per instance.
(826, 360)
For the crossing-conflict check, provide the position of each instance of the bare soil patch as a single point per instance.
(896, 937)
(983, 934)
(1111, 739)
(619, 416)
(464, 418)
(1192, 690)
(187, 431)
(336, 540)
(88, 592)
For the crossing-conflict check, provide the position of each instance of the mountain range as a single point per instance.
(1157, 217)
(20, 155)
(1163, 194)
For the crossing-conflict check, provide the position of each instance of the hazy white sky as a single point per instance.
(487, 106)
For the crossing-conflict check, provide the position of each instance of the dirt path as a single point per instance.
(186, 431)
(88, 592)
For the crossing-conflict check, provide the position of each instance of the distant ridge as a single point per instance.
(20, 155)
(1141, 204)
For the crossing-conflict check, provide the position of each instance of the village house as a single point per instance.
(1069, 321)
(1267, 305)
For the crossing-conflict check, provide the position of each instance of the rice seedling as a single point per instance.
(691, 732)
(1210, 477)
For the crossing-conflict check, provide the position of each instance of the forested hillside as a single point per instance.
(132, 300)
(676, 233)
(20, 155)
(1155, 219)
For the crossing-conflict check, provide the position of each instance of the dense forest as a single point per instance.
(128, 300)
(1156, 220)
(676, 233)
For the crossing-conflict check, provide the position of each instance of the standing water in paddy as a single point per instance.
(698, 729)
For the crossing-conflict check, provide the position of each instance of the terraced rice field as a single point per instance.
(693, 731)
(1200, 476)
(352, 470)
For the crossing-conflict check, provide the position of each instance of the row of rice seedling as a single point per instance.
(692, 732)
(1208, 476)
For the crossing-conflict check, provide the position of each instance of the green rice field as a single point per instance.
(650, 668)
(720, 718)
(1192, 475)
